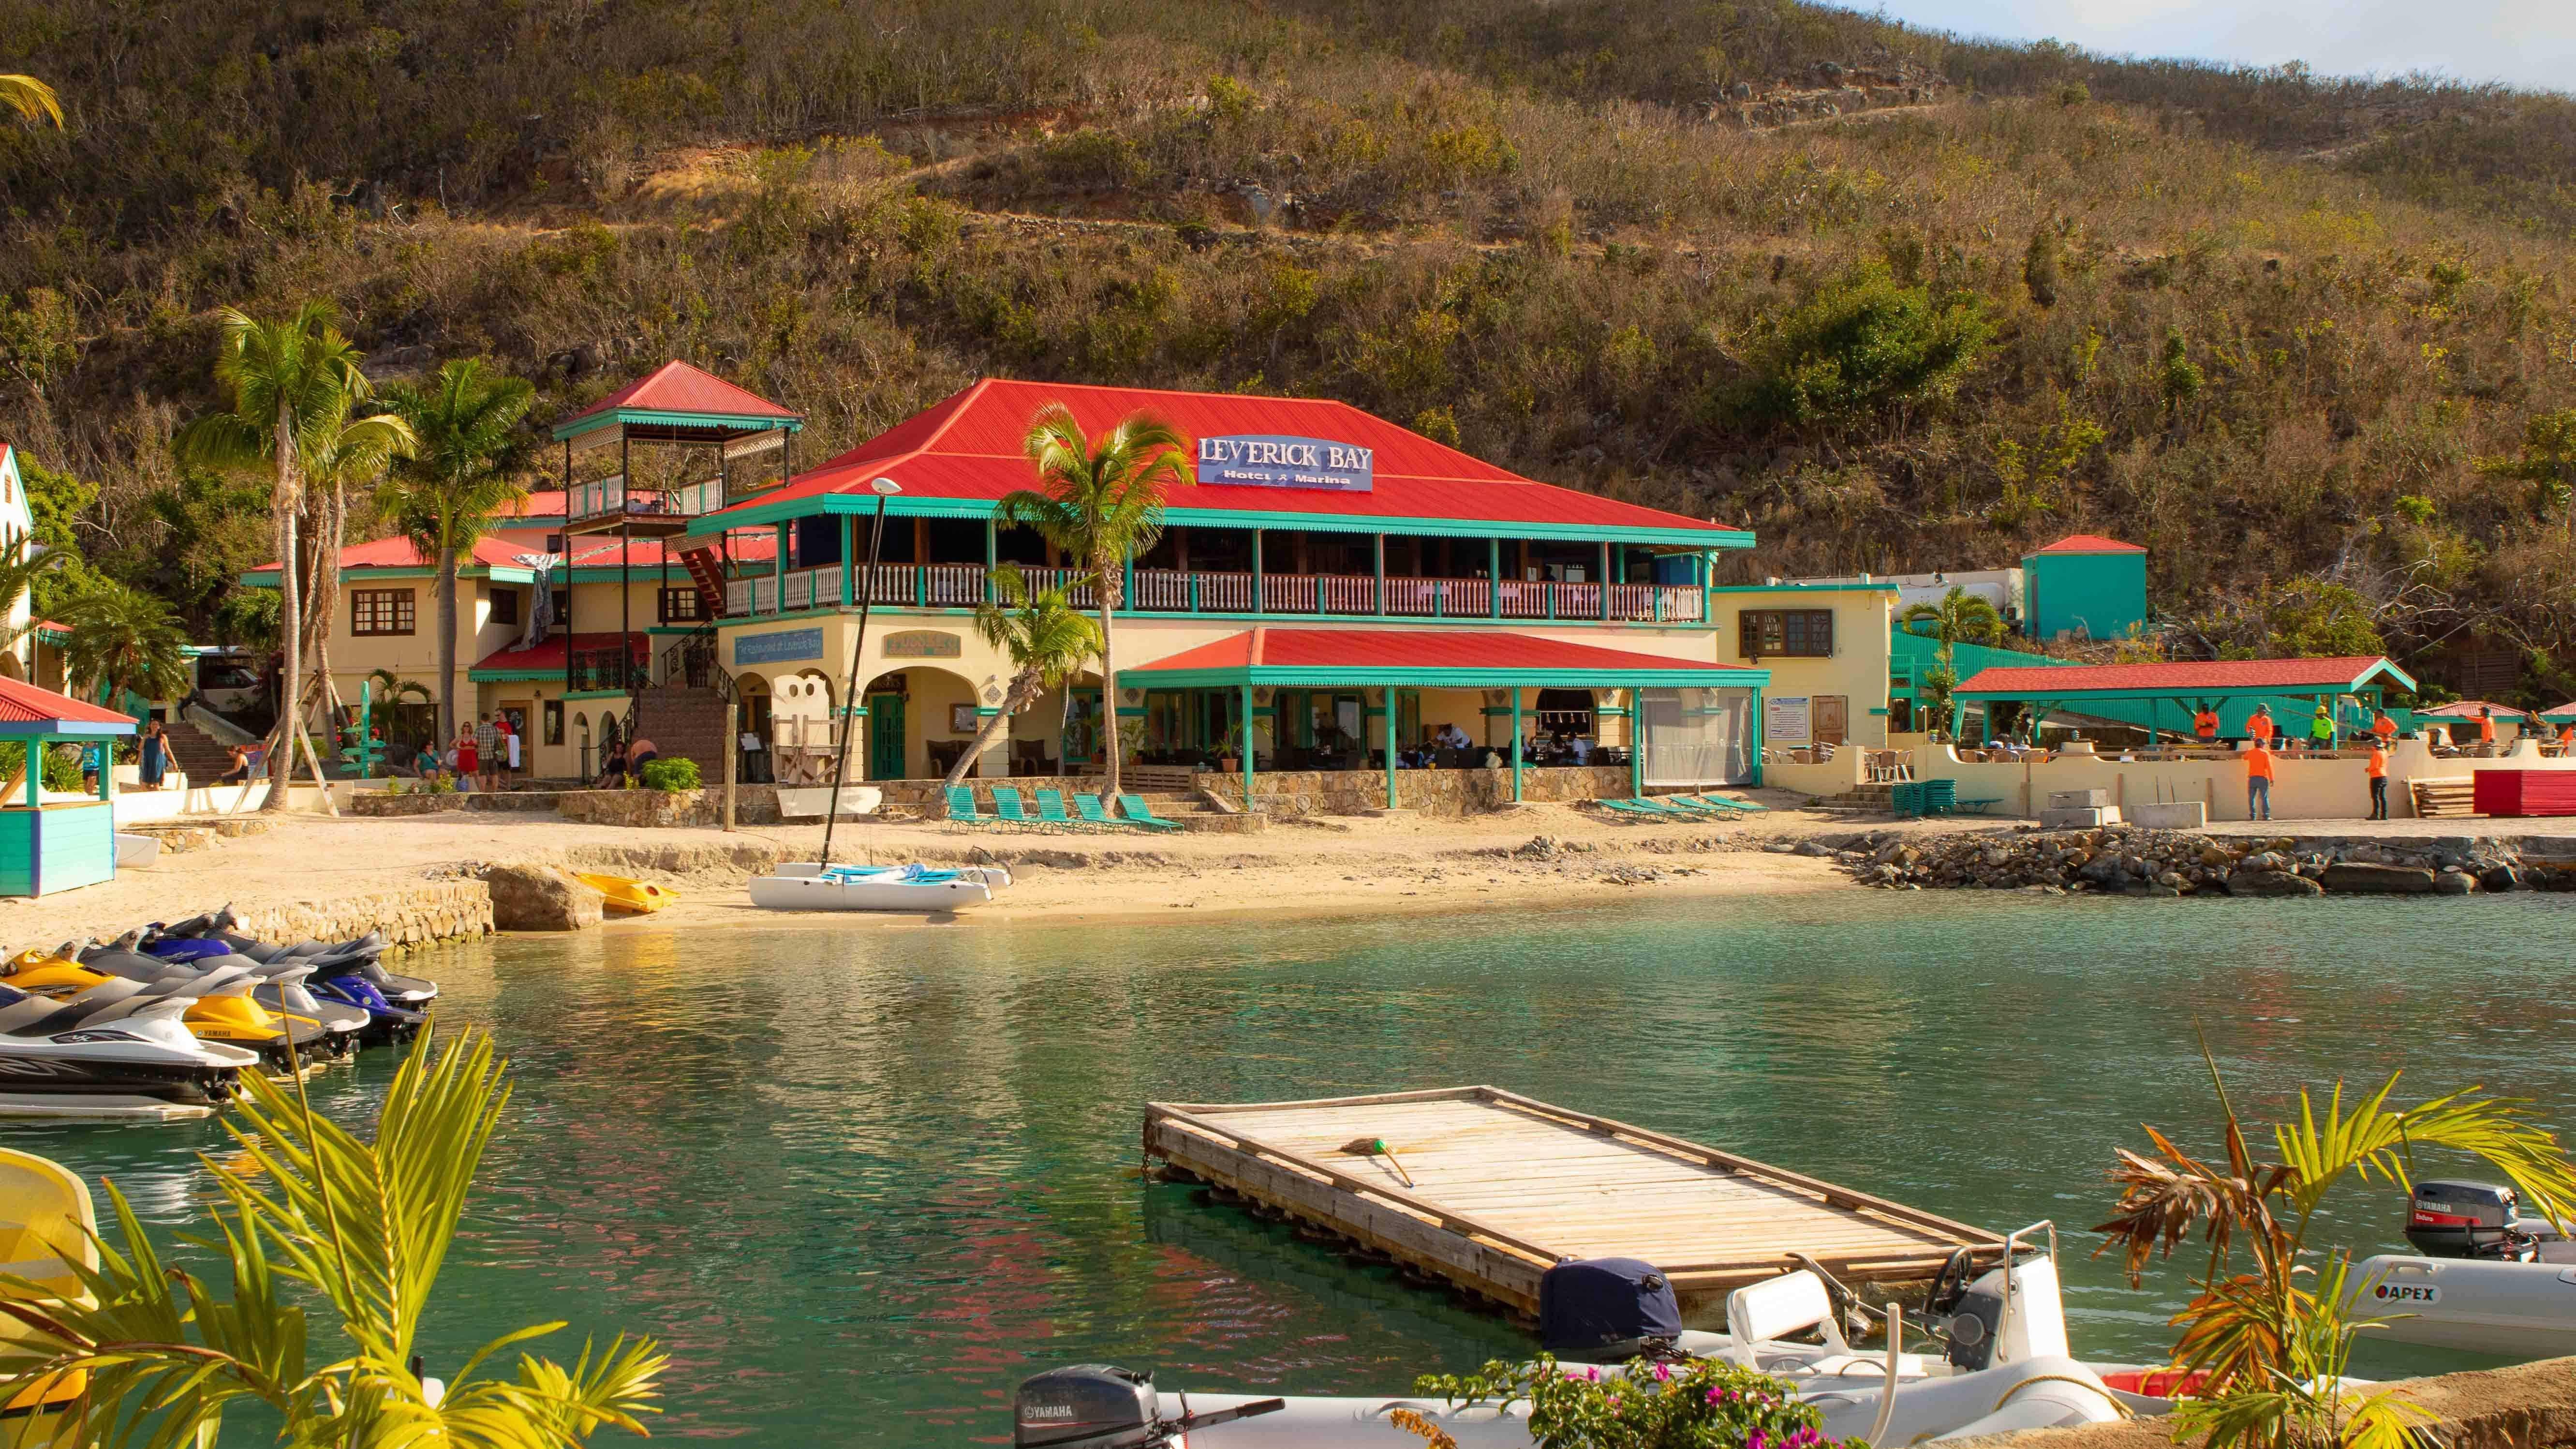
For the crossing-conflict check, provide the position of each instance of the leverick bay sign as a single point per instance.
(1267, 461)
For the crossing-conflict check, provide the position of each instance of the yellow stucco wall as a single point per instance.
(1856, 671)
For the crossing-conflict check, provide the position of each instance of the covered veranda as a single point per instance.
(2349, 686)
(1684, 722)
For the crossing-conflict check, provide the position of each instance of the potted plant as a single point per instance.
(1229, 749)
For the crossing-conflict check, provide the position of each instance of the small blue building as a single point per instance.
(2085, 586)
(52, 842)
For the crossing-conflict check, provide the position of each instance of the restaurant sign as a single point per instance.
(786, 646)
(1269, 461)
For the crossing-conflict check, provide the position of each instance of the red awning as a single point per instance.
(549, 656)
(2205, 677)
(22, 703)
(1467, 658)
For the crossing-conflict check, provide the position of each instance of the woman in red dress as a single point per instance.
(468, 759)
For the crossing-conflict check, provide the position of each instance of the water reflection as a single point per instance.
(861, 1183)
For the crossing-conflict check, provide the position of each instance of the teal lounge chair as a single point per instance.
(1094, 814)
(1008, 809)
(1051, 810)
(962, 809)
(1721, 803)
(1140, 812)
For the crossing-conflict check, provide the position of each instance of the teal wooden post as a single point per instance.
(1636, 744)
(1257, 592)
(1389, 702)
(1757, 739)
(1127, 589)
(1494, 577)
(1516, 744)
(992, 556)
(1707, 570)
(1381, 609)
(1605, 583)
(1247, 741)
(778, 571)
(850, 563)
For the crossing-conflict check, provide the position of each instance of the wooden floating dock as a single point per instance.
(1505, 1186)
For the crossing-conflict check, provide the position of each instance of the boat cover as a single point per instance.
(1592, 1303)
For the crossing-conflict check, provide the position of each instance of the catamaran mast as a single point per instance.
(884, 488)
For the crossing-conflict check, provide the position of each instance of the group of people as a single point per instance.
(480, 754)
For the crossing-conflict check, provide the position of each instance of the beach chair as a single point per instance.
(1719, 803)
(1011, 810)
(1096, 815)
(962, 809)
(1656, 809)
(1141, 812)
(1688, 805)
(1051, 811)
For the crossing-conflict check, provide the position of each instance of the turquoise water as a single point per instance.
(860, 1183)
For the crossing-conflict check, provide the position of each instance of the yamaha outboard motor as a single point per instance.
(1096, 1406)
(1608, 1310)
(2453, 1219)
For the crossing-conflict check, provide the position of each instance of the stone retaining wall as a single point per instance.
(408, 915)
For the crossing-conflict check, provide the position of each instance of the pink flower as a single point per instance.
(1713, 1395)
(1756, 1442)
(1663, 1374)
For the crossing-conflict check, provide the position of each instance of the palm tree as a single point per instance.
(293, 385)
(315, 1221)
(1960, 617)
(456, 482)
(31, 98)
(1048, 641)
(124, 640)
(2273, 1339)
(24, 563)
(1102, 503)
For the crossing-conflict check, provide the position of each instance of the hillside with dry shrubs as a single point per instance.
(1893, 299)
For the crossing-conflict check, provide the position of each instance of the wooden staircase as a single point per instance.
(706, 570)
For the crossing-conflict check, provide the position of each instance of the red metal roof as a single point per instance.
(550, 654)
(503, 549)
(2219, 676)
(967, 446)
(24, 703)
(2468, 709)
(1414, 649)
(676, 387)
(2088, 543)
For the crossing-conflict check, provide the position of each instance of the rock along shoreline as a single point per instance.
(2133, 861)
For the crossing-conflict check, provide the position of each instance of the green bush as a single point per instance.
(671, 776)
(61, 774)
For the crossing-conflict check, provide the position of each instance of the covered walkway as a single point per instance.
(2230, 687)
(1690, 722)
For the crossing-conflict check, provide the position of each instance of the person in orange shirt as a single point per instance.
(2258, 780)
(2204, 723)
(2378, 779)
(2567, 734)
(2260, 726)
(2486, 725)
(2382, 728)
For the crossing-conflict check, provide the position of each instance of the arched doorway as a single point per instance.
(919, 721)
(581, 745)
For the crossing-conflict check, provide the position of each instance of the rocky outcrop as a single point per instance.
(408, 916)
(541, 898)
(2130, 860)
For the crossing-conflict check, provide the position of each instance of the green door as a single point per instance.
(885, 736)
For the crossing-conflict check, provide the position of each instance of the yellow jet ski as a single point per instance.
(628, 897)
(223, 1011)
(51, 1227)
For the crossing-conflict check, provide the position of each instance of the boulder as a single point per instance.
(541, 898)
(2271, 883)
(2454, 882)
(2363, 877)
(2499, 878)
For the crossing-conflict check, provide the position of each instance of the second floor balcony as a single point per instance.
(610, 505)
(1229, 594)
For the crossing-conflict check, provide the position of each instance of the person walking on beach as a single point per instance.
(2321, 731)
(2258, 780)
(2378, 779)
(152, 756)
(2260, 727)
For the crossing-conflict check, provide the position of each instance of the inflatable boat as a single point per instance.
(2002, 1365)
(2483, 1279)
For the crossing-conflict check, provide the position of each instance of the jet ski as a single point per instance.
(358, 955)
(111, 1051)
(280, 989)
(52, 1235)
(223, 1011)
(336, 979)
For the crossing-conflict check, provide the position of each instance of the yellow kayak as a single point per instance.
(49, 1227)
(628, 897)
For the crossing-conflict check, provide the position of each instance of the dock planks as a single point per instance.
(1506, 1186)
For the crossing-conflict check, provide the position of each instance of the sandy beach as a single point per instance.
(1325, 866)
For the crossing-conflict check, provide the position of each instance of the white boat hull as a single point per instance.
(993, 876)
(863, 893)
(136, 852)
(104, 1107)
(2518, 1310)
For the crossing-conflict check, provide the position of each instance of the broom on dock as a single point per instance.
(1376, 1147)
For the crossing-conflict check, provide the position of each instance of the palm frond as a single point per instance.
(31, 98)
